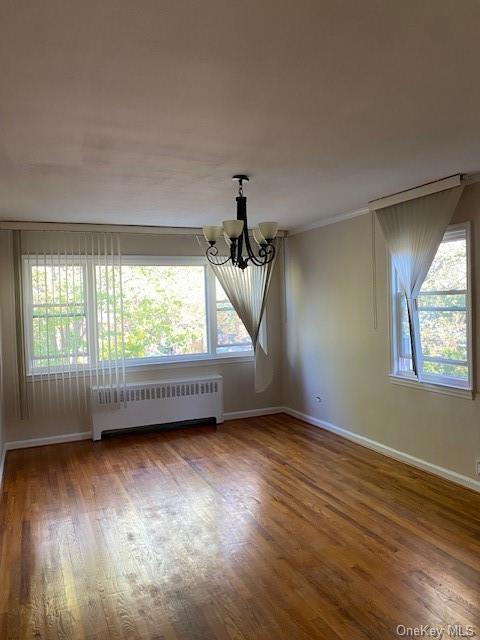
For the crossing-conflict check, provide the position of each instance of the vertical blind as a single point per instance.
(55, 292)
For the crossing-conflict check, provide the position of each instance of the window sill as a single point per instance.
(200, 361)
(445, 390)
(194, 362)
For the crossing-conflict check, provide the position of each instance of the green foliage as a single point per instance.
(450, 370)
(163, 311)
(449, 268)
(444, 334)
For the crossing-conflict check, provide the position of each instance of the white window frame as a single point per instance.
(431, 382)
(89, 262)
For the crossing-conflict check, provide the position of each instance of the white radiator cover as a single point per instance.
(147, 403)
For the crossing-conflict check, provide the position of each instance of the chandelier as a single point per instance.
(236, 236)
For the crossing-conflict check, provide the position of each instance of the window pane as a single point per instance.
(59, 340)
(58, 321)
(444, 334)
(231, 332)
(446, 370)
(449, 268)
(57, 284)
(458, 300)
(163, 311)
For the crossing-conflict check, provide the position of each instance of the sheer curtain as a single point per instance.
(72, 331)
(247, 291)
(413, 231)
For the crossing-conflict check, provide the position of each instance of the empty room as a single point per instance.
(239, 319)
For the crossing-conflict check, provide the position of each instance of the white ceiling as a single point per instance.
(139, 111)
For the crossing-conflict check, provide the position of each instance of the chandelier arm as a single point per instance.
(265, 255)
(263, 261)
(212, 253)
(218, 263)
(256, 261)
(267, 251)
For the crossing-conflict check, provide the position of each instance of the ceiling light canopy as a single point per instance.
(237, 236)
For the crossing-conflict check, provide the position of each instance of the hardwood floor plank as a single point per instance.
(263, 528)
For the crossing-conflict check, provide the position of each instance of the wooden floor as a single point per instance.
(263, 529)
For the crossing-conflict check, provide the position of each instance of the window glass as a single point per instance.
(449, 268)
(231, 332)
(163, 311)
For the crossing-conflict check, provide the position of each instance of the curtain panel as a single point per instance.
(413, 231)
(247, 291)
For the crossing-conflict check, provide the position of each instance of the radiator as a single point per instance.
(146, 403)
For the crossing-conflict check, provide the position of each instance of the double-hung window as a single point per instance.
(173, 310)
(55, 313)
(443, 318)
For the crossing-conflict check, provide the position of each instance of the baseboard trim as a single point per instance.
(252, 413)
(446, 474)
(42, 442)
(86, 435)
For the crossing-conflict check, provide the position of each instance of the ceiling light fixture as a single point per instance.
(236, 235)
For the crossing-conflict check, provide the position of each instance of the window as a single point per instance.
(57, 315)
(443, 314)
(173, 310)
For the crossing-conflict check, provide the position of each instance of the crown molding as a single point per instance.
(426, 189)
(24, 225)
(327, 221)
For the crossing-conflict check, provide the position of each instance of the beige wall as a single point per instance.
(239, 394)
(332, 349)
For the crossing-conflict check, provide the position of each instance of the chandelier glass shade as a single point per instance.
(237, 237)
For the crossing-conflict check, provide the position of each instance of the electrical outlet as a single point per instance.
(477, 467)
